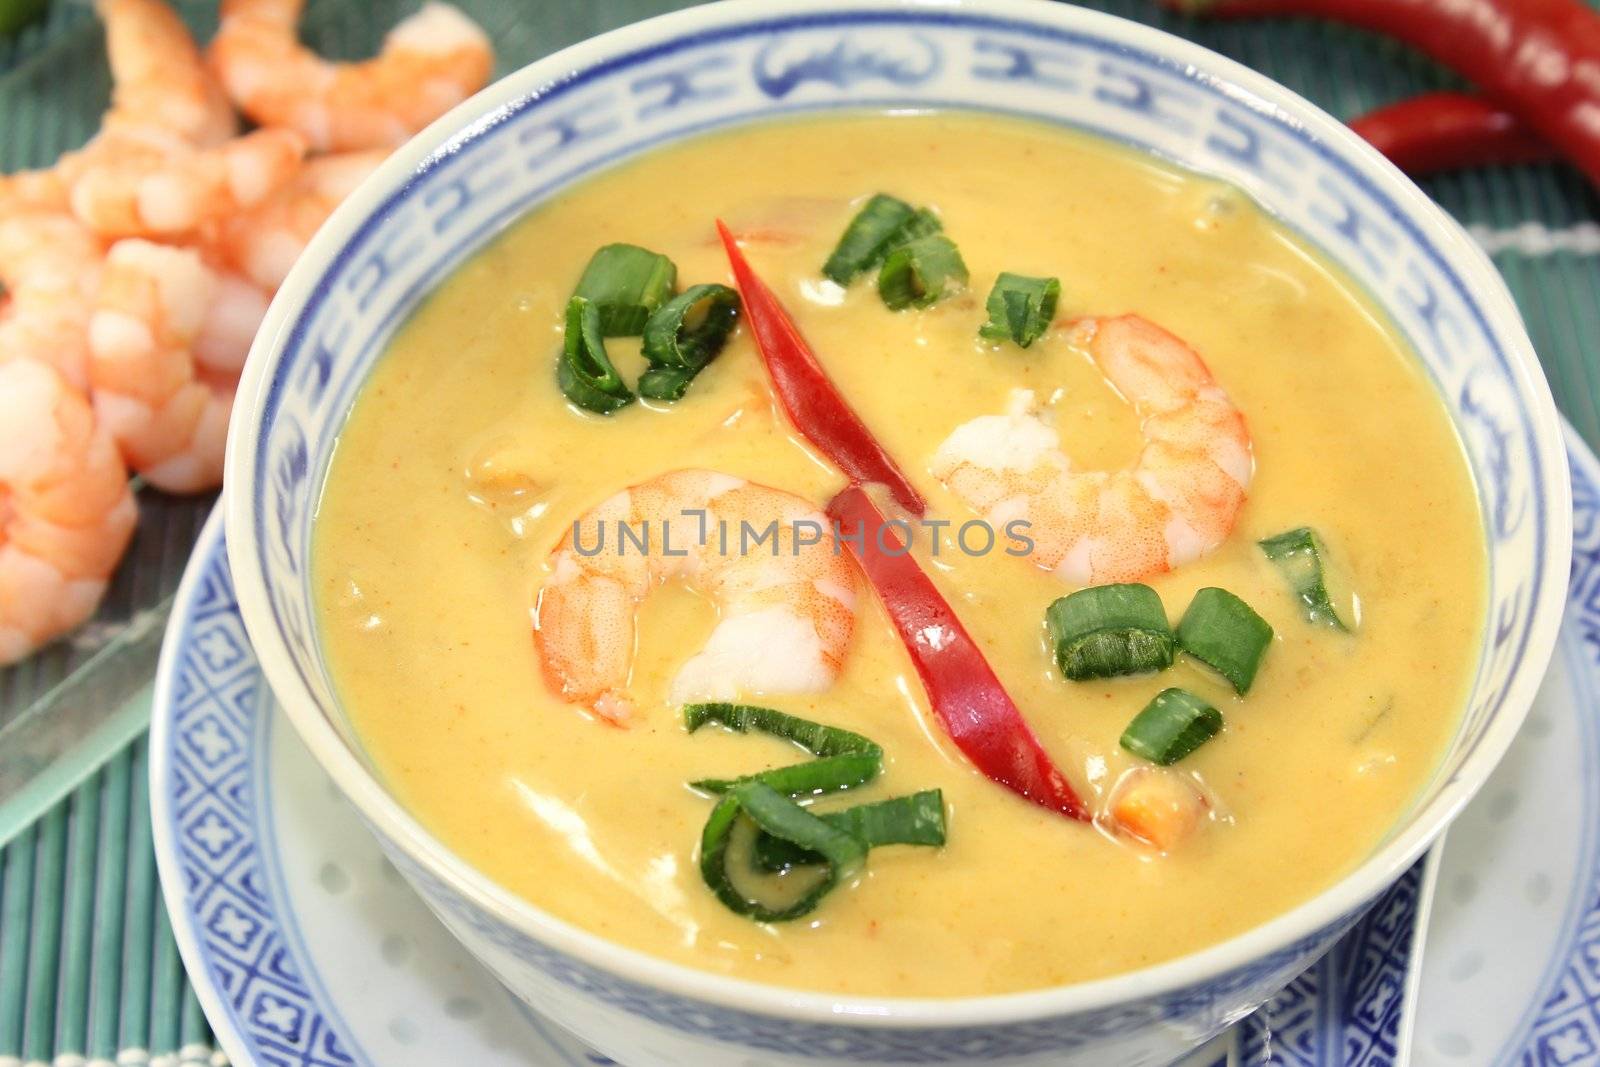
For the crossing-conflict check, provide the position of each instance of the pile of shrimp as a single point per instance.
(135, 271)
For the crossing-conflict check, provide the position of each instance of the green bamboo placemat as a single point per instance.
(88, 967)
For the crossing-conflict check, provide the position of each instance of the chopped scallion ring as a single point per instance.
(867, 239)
(1171, 726)
(1020, 308)
(781, 818)
(917, 819)
(845, 759)
(1299, 555)
(626, 283)
(584, 371)
(1110, 630)
(922, 272)
(1226, 634)
(685, 334)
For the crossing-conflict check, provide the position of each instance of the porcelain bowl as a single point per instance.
(524, 139)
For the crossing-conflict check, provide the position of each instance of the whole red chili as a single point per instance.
(813, 403)
(1538, 58)
(968, 699)
(1447, 131)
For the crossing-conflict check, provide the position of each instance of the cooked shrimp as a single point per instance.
(262, 244)
(168, 414)
(158, 77)
(1177, 502)
(150, 182)
(50, 269)
(66, 511)
(1156, 805)
(430, 62)
(786, 614)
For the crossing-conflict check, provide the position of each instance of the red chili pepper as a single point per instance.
(969, 700)
(1447, 131)
(813, 403)
(1538, 58)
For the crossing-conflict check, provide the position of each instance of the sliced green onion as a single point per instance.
(922, 272)
(921, 223)
(779, 817)
(627, 283)
(1110, 630)
(662, 383)
(584, 371)
(867, 239)
(845, 759)
(685, 334)
(1171, 726)
(917, 819)
(1298, 554)
(1226, 634)
(1020, 308)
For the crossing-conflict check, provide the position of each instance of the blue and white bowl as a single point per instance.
(524, 139)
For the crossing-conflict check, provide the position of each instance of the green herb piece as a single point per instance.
(1109, 630)
(1020, 308)
(584, 371)
(1226, 634)
(626, 283)
(1299, 555)
(1171, 726)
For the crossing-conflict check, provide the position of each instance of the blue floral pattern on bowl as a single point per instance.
(603, 102)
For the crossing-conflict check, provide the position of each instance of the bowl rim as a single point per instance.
(1357, 887)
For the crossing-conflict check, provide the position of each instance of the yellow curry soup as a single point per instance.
(462, 466)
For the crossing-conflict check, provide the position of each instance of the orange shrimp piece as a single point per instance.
(1160, 807)
(786, 613)
(50, 270)
(66, 512)
(150, 182)
(166, 338)
(263, 243)
(429, 62)
(1177, 502)
(158, 77)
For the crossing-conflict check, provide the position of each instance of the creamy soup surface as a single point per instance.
(426, 565)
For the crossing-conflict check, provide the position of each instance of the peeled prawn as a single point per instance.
(263, 243)
(159, 310)
(1177, 502)
(429, 62)
(136, 183)
(786, 614)
(158, 78)
(66, 511)
(50, 269)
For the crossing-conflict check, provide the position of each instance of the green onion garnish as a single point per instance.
(685, 334)
(921, 223)
(1298, 554)
(844, 760)
(867, 239)
(626, 283)
(1171, 726)
(917, 819)
(1109, 630)
(584, 371)
(1226, 634)
(767, 857)
(921, 272)
(1020, 308)
(779, 817)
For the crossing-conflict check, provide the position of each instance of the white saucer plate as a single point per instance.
(307, 949)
